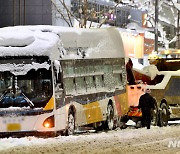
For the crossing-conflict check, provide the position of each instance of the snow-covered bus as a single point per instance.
(56, 79)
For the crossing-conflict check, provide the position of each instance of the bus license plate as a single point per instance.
(13, 127)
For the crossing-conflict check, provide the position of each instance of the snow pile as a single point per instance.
(135, 26)
(136, 64)
(103, 142)
(151, 71)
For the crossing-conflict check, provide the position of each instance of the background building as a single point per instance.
(44, 12)
(25, 12)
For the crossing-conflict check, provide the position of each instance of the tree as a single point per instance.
(83, 13)
(174, 7)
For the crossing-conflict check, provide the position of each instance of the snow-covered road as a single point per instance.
(157, 140)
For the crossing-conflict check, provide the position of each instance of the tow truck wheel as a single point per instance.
(110, 117)
(154, 113)
(164, 115)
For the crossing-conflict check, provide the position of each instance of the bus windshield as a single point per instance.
(33, 89)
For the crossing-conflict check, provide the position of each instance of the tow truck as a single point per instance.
(165, 88)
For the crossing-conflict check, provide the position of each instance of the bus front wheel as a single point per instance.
(71, 124)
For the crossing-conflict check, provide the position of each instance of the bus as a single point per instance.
(57, 79)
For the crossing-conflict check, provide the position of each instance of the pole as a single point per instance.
(156, 26)
(14, 13)
(19, 12)
(178, 31)
(24, 12)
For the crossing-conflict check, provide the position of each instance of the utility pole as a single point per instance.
(156, 26)
(14, 12)
(24, 12)
(178, 32)
(178, 29)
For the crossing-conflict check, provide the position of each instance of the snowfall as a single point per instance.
(157, 140)
(129, 140)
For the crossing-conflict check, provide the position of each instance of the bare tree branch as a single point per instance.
(60, 13)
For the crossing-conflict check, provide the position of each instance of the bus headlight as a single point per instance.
(49, 122)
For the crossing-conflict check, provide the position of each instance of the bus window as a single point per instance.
(108, 69)
(118, 80)
(69, 86)
(108, 77)
(99, 82)
(90, 84)
(117, 68)
(80, 85)
(79, 70)
(5, 81)
(90, 69)
(98, 69)
(69, 71)
(117, 71)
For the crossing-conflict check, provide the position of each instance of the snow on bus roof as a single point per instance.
(95, 43)
(19, 40)
(53, 40)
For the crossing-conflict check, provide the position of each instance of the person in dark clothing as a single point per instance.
(130, 75)
(146, 104)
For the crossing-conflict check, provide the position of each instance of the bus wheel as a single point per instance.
(164, 115)
(154, 113)
(71, 124)
(110, 117)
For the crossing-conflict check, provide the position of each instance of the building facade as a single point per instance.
(25, 12)
(44, 12)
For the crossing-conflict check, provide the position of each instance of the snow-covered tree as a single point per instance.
(81, 12)
(168, 15)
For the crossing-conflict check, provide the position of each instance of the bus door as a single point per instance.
(60, 112)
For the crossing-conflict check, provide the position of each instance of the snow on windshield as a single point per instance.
(22, 69)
